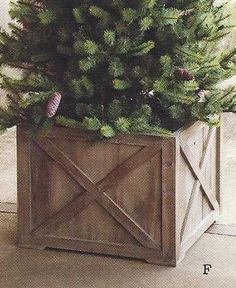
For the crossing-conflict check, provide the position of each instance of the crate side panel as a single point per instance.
(137, 192)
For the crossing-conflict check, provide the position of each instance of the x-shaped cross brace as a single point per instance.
(96, 192)
(197, 171)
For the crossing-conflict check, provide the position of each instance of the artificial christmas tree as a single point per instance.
(106, 58)
(116, 68)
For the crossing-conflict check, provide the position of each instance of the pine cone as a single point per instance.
(183, 74)
(53, 104)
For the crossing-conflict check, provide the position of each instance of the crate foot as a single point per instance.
(155, 261)
(31, 246)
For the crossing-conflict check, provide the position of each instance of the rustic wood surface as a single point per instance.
(138, 196)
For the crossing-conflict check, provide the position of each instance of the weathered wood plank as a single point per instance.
(169, 197)
(128, 139)
(219, 141)
(96, 247)
(23, 185)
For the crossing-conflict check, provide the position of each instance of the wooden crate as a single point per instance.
(137, 196)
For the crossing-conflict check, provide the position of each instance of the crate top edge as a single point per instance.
(73, 133)
(193, 127)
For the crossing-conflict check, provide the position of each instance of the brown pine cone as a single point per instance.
(183, 74)
(53, 105)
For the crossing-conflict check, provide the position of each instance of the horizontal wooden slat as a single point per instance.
(128, 139)
(95, 247)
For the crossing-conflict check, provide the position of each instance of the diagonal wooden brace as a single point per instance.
(197, 183)
(188, 156)
(96, 191)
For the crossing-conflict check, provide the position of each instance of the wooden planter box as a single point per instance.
(138, 196)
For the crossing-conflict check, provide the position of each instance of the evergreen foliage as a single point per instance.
(121, 66)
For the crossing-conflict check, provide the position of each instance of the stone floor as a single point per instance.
(22, 268)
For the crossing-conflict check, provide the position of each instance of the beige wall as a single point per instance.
(232, 37)
(4, 17)
(7, 141)
(4, 20)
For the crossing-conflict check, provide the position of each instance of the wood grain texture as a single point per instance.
(219, 161)
(138, 196)
(168, 198)
(204, 160)
(102, 198)
(198, 156)
(23, 184)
